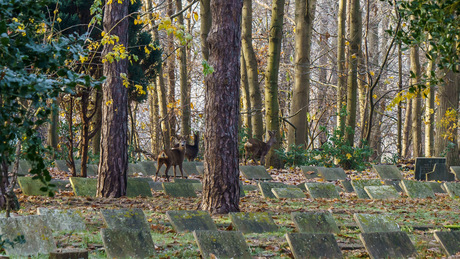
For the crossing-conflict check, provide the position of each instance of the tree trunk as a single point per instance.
(221, 174)
(429, 111)
(171, 71)
(184, 87)
(96, 141)
(406, 136)
(53, 134)
(205, 26)
(416, 103)
(399, 144)
(341, 63)
(324, 62)
(113, 162)
(154, 119)
(245, 97)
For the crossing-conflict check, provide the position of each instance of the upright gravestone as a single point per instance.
(322, 190)
(221, 244)
(91, 169)
(388, 244)
(84, 186)
(307, 245)
(24, 167)
(436, 187)
(387, 172)
(450, 241)
(369, 223)
(63, 220)
(200, 169)
(32, 187)
(289, 193)
(424, 165)
(440, 173)
(359, 185)
(190, 220)
(185, 190)
(133, 218)
(266, 188)
(346, 184)
(61, 165)
(249, 222)
(417, 190)
(138, 187)
(332, 174)
(310, 172)
(315, 222)
(189, 168)
(453, 189)
(149, 167)
(257, 172)
(455, 170)
(127, 243)
(381, 192)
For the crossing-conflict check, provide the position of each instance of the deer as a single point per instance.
(191, 151)
(172, 157)
(259, 149)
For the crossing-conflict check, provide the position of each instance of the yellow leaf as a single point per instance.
(374, 96)
(195, 16)
(372, 73)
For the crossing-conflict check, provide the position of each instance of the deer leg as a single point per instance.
(158, 170)
(182, 172)
(166, 172)
(174, 171)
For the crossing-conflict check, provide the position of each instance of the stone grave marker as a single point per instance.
(347, 186)
(91, 170)
(359, 185)
(308, 245)
(322, 190)
(453, 189)
(200, 169)
(370, 223)
(37, 234)
(138, 187)
(395, 183)
(135, 169)
(332, 174)
(189, 168)
(440, 173)
(149, 167)
(417, 190)
(190, 220)
(249, 187)
(162, 170)
(424, 165)
(84, 186)
(63, 220)
(255, 172)
(194, 182)
(436, 187)
(455, 170)
(156, 186)
(266, 188)
(179, 190)
(450, 241)
(289, 193)
(69, 253)
(381, 192)
(221, 244)
(132, 218)
(253, 222)
(61, 165)
(388, 172)
(310, 172)
(127, 243)
(388, 244)
(315, 222)
(24, 167)
(32, 187)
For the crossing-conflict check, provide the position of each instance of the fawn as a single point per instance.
(172, 157)
(259, 149)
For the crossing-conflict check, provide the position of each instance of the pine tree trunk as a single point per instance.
(416, 104)
(205, 26)
(245, 97)
(171, 71)
(154, 119)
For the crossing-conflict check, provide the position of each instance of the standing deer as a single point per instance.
(259, 149)
(172, 157)
(191, 151)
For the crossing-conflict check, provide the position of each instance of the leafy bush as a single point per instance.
(294, 156)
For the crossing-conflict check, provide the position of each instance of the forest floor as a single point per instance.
(418, 217)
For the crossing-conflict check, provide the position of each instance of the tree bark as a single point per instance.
(171, 71)
(341, 63)
(406, 136)
(221, 174)
(399, 143)
(429, 111)
(205, 26)
(245, 97)
(184, 87)
(416, 103)
(154, 119)
(96, 141)
(53, 134)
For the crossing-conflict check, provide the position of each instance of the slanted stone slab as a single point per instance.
(221, 244)
(162, 170)
(69, 254)
(289, 193)
(37, 234)
(138, 187)
(346, 184)
(369, 223)
(255, 172)
(388, 245)
(127, 243)
(24, 167)
(189, 168)
(453, 189)
(249, 187)
(424, 165)
(133, 218)
(417, 190)
(32, 187)
(359, 185)
(440, 173)
(332, 174)
(63, 220)
(200, 169)
(381, 192)
(455, 170)
(314, 222)
(91, 170)
(450, 241)
(61, 165)
(322, 190)
(194, 182)
(436, 187)
(179, 189)
(307, 245)
(395, 183)
(84, 186)
(149, 167)
(388, 172)
(253, 222)
(190, 220)
(135, 169)
(266, 188)
(310, 172)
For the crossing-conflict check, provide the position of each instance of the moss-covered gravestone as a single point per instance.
(417, 190)
(179, 190)
(388, 172)
(69, 253)
(135, 169)
(253, 222)
(84, 186)
(346, 184)
(369, 223)
(424, 165)
(194, 182)
(388, 245)
(190, 220)
(395, 183)
(289, 193)
(221, 244)
(453, 189)
(35, 231)
(307, 245)
(200, 169)
(249, 187)
(332, 174)
(310, 172)
(149, 167)
(32, 187)
(127, 243)
(381, 192)
(455, 170)
(24, 167)
(436, 187)
(255, 172)
(138, 187)
(61, 165)
(266, 188)
(189, 168)
(63, 220)
(322, 190)
(91, 169)
(359, 185)
(314, 222)
(133, 218)
(162, 170)
(440, 173)
(450, 241)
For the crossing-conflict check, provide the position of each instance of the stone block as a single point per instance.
(200, 169)
(308, 245)
(253, 222)
(369, 223)
(453, 189)
(132, 218)
(450, 241)
(149, 167)
(388, 172)
(314, 222)
(359, 185)
(63, 220)
(32, 187)
(138, 187)
(289, 193)
(69, 254)
(266, 188)
(310, 172)
(24, 167)
(382, 192)
(395, 183)
(189, 168)
(127, 243)
(332, 174)
(424, 165)
(322, 190)
(249, 187)
(455, 170)
(388, 245)
(436, 187)
(440, 173)
(91, 170)
(417, 190)
(134, 168)
(221, 244)
(190, 220)
(179, 190)
(84, 186)
(255, 173)
(346, 184)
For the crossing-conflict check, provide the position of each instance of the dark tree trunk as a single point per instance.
(221, 174)
(113, 162)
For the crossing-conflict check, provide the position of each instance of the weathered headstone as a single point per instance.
(395, 183)
(289, 193)
(32, 187)
(381, 192)
(24, 167)
(346, 184)
(417, 190)
(453, 189)
(253, 222)
(194, 182)
(436, 187)
(37, 234)
(359, 185)
(84, 186)
(322, 190)
(221, 244)
(424, 165)
(440, 173)
(307, 245)
(310, 172)
(388, 172)
(61, 165)
(135, 169)
(149, 167)
(69, 253)
(388, 244)
(369, 223)
(91, 170)
(127, 243)
(266, 188)
(133, 218)
(255, 172)
(450, 241)
(189, 168)
(63, 220)
(138, 187)
(179, 189)
(249, 187)
(455, 170)
(332, 174)
(200, 169)
(162, 170)
(190, 220)
(314, 222)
